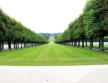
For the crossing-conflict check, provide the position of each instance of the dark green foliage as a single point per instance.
(12, 31)
(92, 24)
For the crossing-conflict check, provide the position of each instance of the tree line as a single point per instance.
(47, 35)
(13, 32)
(90, 25)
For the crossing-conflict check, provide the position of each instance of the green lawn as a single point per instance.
(53, 54)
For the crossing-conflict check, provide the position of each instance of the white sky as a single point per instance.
(44, 15)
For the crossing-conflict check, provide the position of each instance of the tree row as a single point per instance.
(91, 25)
(13, 32)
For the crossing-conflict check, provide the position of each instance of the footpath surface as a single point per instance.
(54, 74)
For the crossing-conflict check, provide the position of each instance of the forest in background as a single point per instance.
(47, 35)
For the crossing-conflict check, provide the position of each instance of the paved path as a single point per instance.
(54, 74)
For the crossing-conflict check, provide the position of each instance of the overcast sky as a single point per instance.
(44, 15)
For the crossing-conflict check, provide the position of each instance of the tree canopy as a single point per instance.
(91, 24)
(12, 31)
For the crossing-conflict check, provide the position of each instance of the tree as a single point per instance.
(93, 17)
(12, 31)
(93, 23)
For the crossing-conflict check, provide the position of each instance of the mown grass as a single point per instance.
(53, 55)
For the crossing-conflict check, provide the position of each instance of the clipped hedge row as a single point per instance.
(91, 25)
(13, 32)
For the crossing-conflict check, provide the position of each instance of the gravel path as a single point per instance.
(54, 74)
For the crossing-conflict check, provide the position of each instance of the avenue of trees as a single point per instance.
(13, 32)
(91, 25)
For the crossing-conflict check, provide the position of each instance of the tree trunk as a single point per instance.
(91, 43)
(102, 43)
(9, 45)
(79, 43)
(14, 45)
(99, 42)
(76, 43)
(86, 43)
(21, 45)
(24, 45)
(17, 45)
(82, 43)
(72, 43)
(2, 45)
